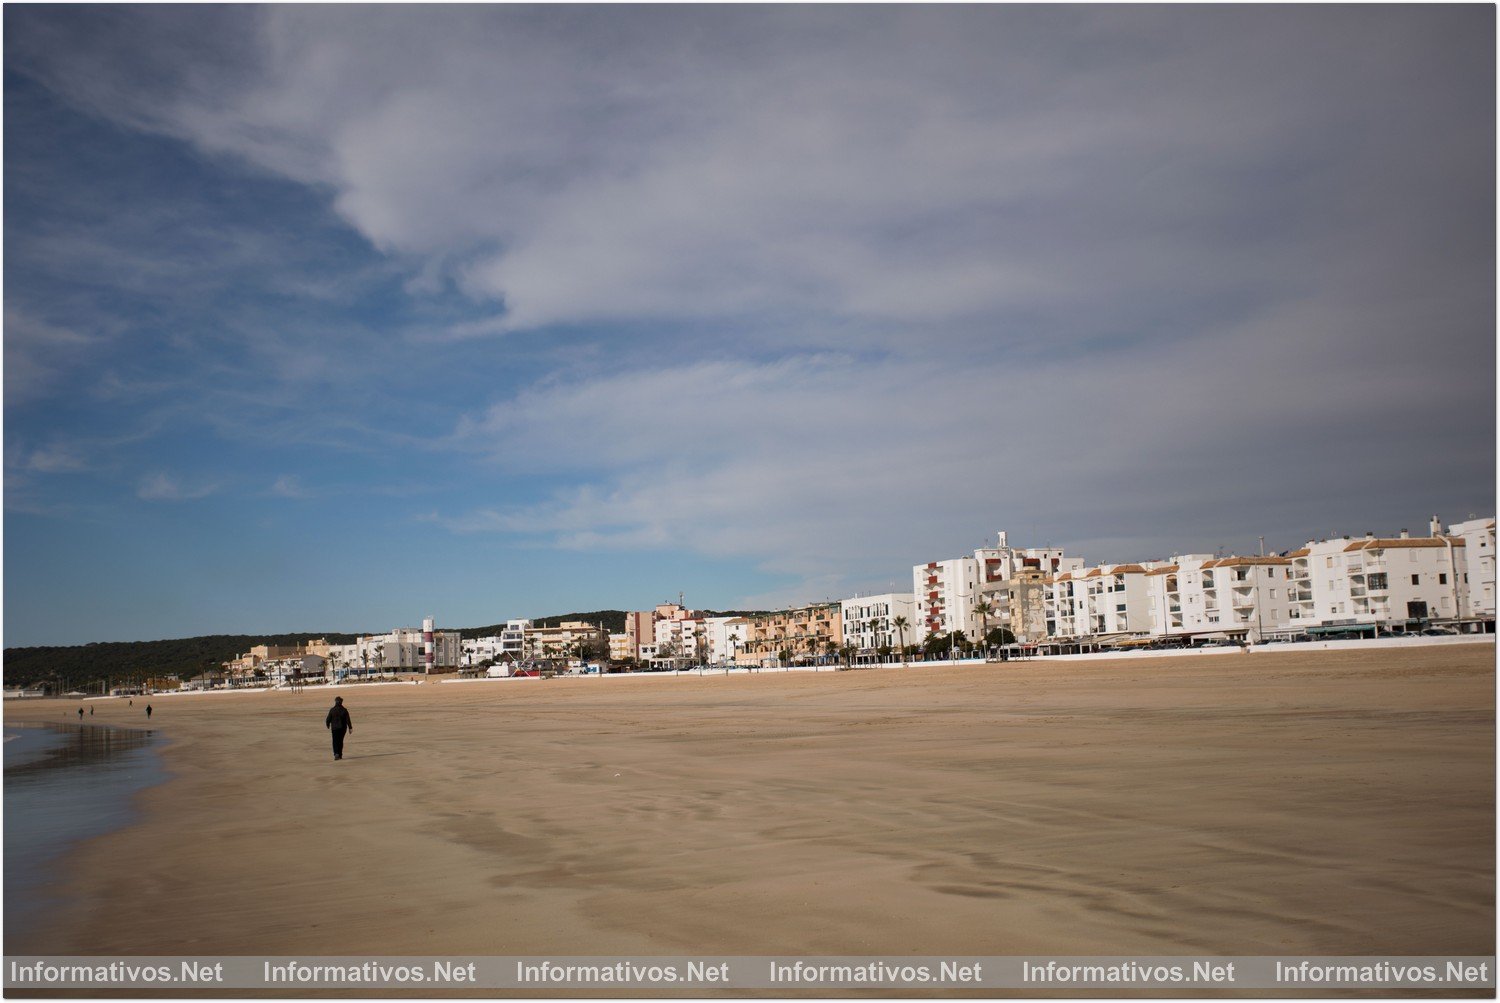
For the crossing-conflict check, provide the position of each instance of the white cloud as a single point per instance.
(896, 278)
(38, 353)
(882, 164)
(289, 486)
(165, 487)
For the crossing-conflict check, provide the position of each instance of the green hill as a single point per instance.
(77, 666)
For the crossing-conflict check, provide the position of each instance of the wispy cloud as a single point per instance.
(166, 487)
(819, 291)
(289, 486)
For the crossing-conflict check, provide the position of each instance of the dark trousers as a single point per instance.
(338, 743)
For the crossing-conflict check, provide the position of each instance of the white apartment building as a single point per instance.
(725, 636)
(568, 640)
(702, 640)
(1372, 582)
(621, 647)
(868, 621)
(1111, 599)
(513, 640)
(683, 640)
(399, 651)
(478, 650)
(1197, 594)
(1000, 568)
(1479, 564)
(947, 592)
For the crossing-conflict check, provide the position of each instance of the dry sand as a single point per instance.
(1338, 803)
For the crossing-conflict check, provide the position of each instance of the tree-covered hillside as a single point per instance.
(79, 665)
(123, 661)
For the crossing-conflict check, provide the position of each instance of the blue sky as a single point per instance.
(331, 317)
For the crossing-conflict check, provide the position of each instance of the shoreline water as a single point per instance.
(1321, 803)
(65, 784)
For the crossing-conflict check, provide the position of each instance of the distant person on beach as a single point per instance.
(91, 712)
(148, 712)
(339, 723)
(80, 713)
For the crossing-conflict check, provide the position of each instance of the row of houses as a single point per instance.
(1038, 597)
(1042, 597)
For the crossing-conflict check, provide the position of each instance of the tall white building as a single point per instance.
(513, 640)
(947, 592)
(683, 639)
(1241, 596)
(868, 622)
(1479, 564)
(1111, 599)
(725, 637)
(1373, 582)
(402, 650)
(478, 650)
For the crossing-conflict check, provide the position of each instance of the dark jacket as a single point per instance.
(338, 718)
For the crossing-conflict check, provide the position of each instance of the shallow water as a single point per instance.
(63, 784)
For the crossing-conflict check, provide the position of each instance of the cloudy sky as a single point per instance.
(331, 317)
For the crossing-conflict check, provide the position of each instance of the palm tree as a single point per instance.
(900, 624)
(984, 609)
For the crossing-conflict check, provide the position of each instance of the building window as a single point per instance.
(1442, 578)
(1416, 579)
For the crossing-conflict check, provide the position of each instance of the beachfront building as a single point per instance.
(1000, 567)
(946, 593)
(691, 638)
(681, 640)
(1102, 604)
(1023, 608)
(569, 639)
(949, 593)
(804, 634)
(305, 668)
(1372, 584)
(1201, 596)
(481, 652)
(867, 622)
(673, 637)
(622, 648)
(640, 628)
(1479, 567)
(513, 640)
(401, 650)
(726, 637)
(265, 660)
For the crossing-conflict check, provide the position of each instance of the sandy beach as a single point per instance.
(1334, 804)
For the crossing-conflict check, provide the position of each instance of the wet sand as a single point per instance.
(1333, 804)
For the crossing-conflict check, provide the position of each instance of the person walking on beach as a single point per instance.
(148, 712)
(338, 722)
(80, 713)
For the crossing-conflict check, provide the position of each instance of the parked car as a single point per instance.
(1438, 632)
